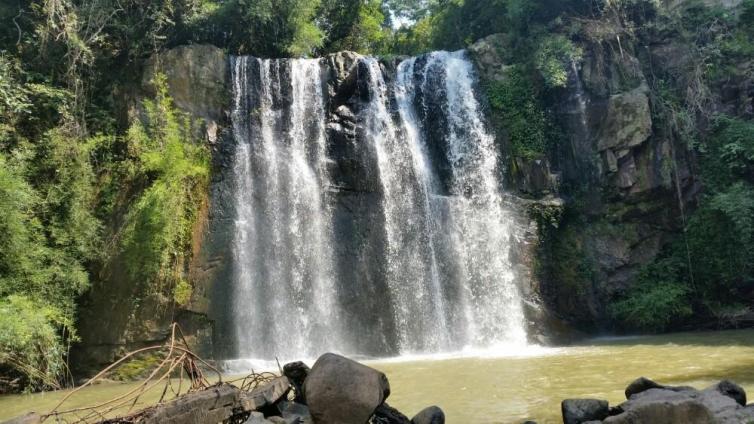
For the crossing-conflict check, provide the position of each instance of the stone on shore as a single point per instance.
(297, 373)
(431, 415)
(339, 390)
(578, 411)
(650, 402)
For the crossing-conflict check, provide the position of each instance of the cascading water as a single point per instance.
(284, 287)
(445, 231)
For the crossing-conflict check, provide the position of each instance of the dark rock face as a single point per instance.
(617, 169)
(577, 411)
(198, 81)
(341, 391)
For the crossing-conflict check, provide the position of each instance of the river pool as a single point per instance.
(509, 388)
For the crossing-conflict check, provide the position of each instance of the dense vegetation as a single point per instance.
(81, 187)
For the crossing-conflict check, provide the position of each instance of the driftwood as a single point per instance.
(187, 396)
(219, 403)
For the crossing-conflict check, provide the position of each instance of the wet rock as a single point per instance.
(296, 373)
(342, 80)
(431, 415)
(662, 406)
(641, 384)
(386, 414)
(653, 402)
(577, 411)
(339, 390)
(731, 390)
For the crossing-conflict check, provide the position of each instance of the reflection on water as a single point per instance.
(480, 388)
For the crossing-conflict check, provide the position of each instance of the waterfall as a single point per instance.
(283, 270)
(441, 229)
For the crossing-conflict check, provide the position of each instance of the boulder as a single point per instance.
(662, 406)
(431, 415)
(339, 390)
(649, 401)
(731, 390)
(639, 385)
(577, 411)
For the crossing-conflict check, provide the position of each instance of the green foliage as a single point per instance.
(138, 368)
(47, 236)
(174, 171)
(517, 107)
(357, 26)
(31, 347)
(554, 57)
(657, 300)
(182, 292)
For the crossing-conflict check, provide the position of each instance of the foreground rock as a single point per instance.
(339, 390)
(651, 402)
(336, 390)
(576, 411)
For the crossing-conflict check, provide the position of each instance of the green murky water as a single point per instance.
(513, 388)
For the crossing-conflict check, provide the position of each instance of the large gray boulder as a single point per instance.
(339, 390)
(578, 411)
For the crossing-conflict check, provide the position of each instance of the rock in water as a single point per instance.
(641, 384)
(296, 373)
(578, 411)
(663, 406)
(386, 414)
(431, 415)
(342, 391)
(731, 390)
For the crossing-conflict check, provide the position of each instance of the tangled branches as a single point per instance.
(177, 373)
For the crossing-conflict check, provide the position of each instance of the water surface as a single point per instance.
(508, 387)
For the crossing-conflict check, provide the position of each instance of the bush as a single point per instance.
(554, 57)
(518, 111)
(174, 171)
(31, 348)
(657, 300)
